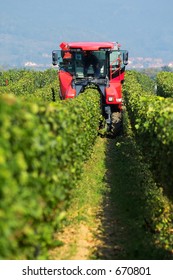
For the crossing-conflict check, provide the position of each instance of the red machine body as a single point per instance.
(82, 64)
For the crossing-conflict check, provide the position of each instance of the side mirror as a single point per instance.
(54, 58)
(125, 58)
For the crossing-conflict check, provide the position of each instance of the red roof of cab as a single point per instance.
(87, 46)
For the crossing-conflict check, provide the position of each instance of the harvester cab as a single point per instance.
(98, 64)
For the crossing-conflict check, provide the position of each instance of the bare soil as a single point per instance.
(101, 240)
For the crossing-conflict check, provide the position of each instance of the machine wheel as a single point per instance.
(114, 129)
(117, 124)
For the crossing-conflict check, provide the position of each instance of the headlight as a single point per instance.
(110, 99)
(119, 99)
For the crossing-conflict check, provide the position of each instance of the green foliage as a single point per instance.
(30, 85)
(145, 81)
(165, 84)
(42, 150)
(152, 114)
(39, 78)
(11, 76)
(152, 121)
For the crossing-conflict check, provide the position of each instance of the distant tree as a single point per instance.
(151, 72)
(166, 68)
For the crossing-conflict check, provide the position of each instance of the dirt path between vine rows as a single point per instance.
(98, 237)
(106, 220)
(84, 242)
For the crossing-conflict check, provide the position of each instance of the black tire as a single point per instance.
(117, 124)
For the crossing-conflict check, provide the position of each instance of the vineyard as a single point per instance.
(46, 144)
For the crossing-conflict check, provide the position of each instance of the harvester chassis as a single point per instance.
(94, 64)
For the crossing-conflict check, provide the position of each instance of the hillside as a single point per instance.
(30, 31)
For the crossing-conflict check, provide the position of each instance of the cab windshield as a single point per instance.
(84, 63)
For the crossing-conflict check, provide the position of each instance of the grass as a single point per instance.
(86, 199)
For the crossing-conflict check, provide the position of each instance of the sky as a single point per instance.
(31, 29)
